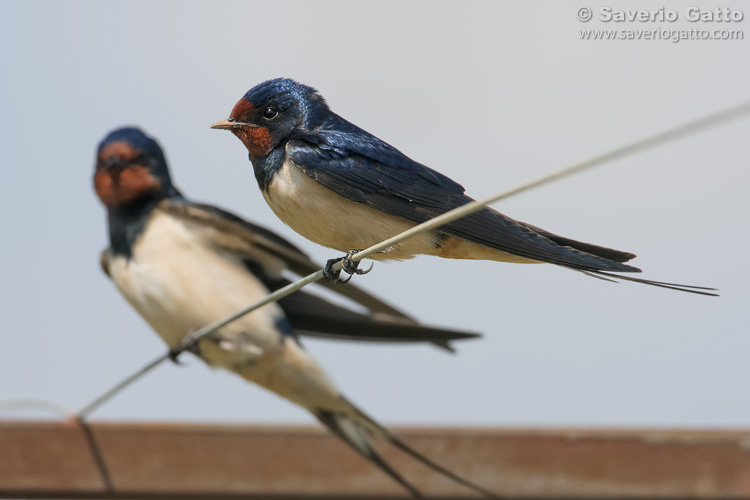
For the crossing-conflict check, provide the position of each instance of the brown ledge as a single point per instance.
(138, 460)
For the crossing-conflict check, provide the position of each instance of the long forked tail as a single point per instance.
(436, 467)
(603, 275)
(604, 270)
(358, 438)
(357, 431)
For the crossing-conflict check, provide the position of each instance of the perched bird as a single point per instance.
(183, 265)
(132, 180)
(343, 188)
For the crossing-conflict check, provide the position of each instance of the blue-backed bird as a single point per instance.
(343, 188)
(183, 265)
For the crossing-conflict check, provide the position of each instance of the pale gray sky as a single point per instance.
(489, 93)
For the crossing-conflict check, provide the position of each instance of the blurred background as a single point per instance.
(491, 94)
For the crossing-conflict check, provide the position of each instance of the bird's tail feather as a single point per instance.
(603, 275)
(356, 432)
(314, 316)
(357, 437)
(599, 251)
(436, 467)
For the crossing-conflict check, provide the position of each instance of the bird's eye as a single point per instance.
(270, 113)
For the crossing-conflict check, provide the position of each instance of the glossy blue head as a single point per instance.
(130, 166)
(282, 92)
(269, 112)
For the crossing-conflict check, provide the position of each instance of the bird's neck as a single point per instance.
(267, 166)
(126, 222)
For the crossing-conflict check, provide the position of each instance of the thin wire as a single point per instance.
(196, 336)
(661, 138)
(463, 210)
(96, 455)
(27, 404)
(84, 412)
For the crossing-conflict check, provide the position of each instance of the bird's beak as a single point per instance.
(230, 124)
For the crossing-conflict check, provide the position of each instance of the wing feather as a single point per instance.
(245, 239)
(266, 255)
(366, 170)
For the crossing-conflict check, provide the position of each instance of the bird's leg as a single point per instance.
(331, 275)
(348, 265)
(335, 276)
(189, 343)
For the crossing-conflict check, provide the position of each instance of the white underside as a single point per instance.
(322, 216)
(179, 283)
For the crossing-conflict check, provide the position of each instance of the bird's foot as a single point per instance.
(189, 343)
(352, 266)
(349, 266)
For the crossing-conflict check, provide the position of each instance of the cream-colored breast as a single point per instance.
(179, 284)
(295, 375)
(322, 216)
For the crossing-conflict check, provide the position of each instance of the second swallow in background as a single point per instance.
(184, 265)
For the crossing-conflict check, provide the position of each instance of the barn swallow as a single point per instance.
(132, 180)
(343, 188)
(183, 265)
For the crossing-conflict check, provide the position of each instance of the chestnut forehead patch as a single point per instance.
(242, 108)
